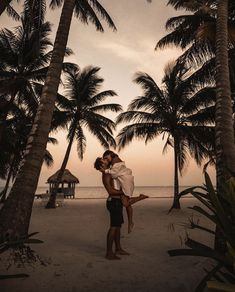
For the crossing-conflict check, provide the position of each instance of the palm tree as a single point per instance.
(182, 113)
(225, 147)
(82, 110)
(17, 220)
(190, 30)
(25, 56)
(221, 27)
(23, 67)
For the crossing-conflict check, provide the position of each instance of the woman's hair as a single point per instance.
(98, 163)
(109, 152)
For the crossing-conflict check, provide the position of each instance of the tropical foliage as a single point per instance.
(219, 208)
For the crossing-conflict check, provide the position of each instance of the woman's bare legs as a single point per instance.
(127, 202)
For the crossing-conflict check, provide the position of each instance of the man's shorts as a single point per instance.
(115, 209)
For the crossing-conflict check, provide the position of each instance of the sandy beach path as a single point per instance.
(74, 245)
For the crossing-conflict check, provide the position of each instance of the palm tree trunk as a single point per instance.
(52, 201)
(3, 5)
(225, 148)
(176, 202)
(16, 212)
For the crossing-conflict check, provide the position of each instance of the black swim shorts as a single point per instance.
(115, 209)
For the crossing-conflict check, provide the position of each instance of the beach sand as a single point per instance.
(74, 238)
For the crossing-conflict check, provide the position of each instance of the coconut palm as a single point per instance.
(183, 114)
(24, 187)
(25, 56)
(22, 67)
(189, 30)
(83, 110)
(220, 33)
(225, 147)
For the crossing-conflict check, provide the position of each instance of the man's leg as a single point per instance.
(111, 237)
(118, 247)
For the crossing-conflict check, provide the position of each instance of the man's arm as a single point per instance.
(107, 182)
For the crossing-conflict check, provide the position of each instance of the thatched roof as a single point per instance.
(67, 177)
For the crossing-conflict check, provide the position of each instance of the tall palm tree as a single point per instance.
(221, 27)
(23, 66)
(82, 110)
(17, 220)
(184, 114)
(25, 56)
(225, 147)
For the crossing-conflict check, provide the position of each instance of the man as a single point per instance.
(115, 208)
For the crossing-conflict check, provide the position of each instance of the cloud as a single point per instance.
(122, 51)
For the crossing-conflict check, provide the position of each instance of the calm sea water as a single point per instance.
(100, 192)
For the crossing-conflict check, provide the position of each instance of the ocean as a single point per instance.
(100, 192)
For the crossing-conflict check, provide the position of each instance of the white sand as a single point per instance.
(74, 242)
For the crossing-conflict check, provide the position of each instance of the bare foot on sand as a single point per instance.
(130, 227)
(143, 197)
(112, 256)
(122, 252)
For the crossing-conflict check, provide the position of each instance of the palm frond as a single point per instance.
(113, 107)
(101, 96)
(136, 117)
(12, 13)
(147, 131)
(48, 159)
(56, 3)
(81, 142)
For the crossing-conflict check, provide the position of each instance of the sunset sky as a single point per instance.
(120, 54)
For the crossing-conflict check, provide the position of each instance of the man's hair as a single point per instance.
(98, 163)
(111, 153)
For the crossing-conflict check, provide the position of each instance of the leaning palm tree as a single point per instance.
(25, 184)
(184, 114)
(83, 110)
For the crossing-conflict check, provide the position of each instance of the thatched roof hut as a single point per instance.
(67, 178)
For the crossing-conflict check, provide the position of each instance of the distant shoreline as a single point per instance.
(135, 186)
(104, 198)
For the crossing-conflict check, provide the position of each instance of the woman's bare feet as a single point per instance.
(122, 252)
(130, 227)
(112, 256)
(143, 197)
